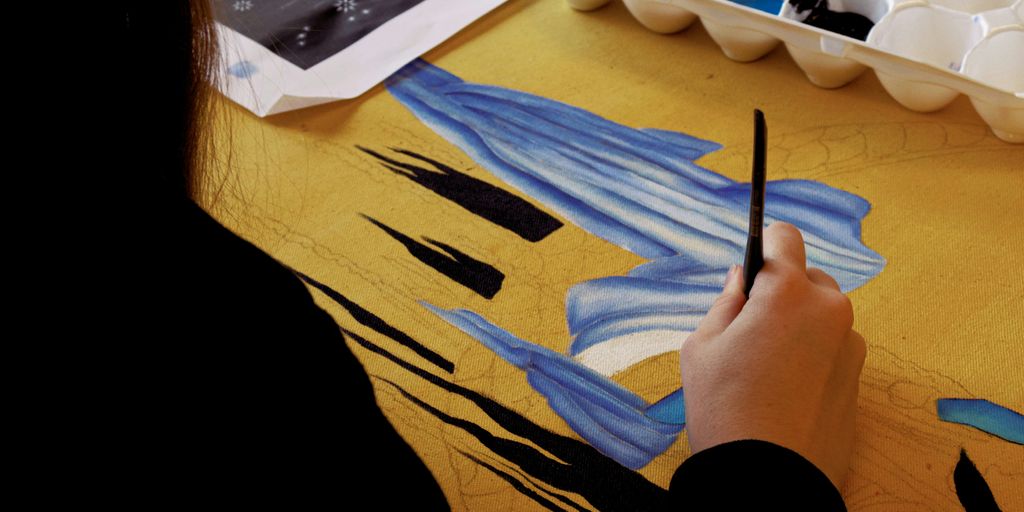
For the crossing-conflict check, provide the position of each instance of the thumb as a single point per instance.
(726, 307)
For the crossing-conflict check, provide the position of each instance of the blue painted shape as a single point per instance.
(671, 409)
(243, 69)
(641, 190)
(637, 188)
(615, 326)
(583, 423)
(768, 6)
(983, 415)
(598, 299)
(523, 354)
(610, 417)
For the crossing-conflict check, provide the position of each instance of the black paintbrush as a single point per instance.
(754, 259)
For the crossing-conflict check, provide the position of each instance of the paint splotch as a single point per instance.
(983, 415)
(768, 6)
(243, 69)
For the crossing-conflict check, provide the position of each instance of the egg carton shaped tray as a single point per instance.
(924, 52)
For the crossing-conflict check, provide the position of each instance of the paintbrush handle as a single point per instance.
(754, 258)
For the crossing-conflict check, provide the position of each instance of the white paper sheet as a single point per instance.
(267, 83)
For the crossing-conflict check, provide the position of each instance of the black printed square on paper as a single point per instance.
(306, 32)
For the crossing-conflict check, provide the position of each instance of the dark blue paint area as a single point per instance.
(243, 69)
(983, 415)
(640, 189)
(768, 6)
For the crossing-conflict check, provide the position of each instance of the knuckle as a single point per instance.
(822, 275)
(786, 281)
(859, 347)
(838, 300)
(781, 228)
(726, 300)
(793, 275)
(687, 353)
(840, 307)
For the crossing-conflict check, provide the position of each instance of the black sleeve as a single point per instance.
(752, 475)
(241, 388)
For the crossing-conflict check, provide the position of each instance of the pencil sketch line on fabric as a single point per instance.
(571, 463)
(841, 149)
(368, 319)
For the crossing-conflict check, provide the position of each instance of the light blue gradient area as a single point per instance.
(768, 6)
(641, 190)
(983, 415)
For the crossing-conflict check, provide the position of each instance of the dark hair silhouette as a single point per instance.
(169, 63)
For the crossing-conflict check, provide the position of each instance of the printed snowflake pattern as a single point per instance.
(309, 31)
(345, 6)
(301, 37)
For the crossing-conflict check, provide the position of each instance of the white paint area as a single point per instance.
(617, 354)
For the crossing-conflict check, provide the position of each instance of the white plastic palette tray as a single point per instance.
(925, 52)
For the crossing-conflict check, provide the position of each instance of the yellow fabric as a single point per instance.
(945, 318)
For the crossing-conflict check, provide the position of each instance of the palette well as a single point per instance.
(924, 52)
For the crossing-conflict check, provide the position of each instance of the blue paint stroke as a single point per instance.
(636, 188)
(243, 69)
(610, 417)
(671, 409)
(641, 190)
(983, 415)
(768, 6)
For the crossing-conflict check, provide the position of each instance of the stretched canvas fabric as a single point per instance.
(525, 224)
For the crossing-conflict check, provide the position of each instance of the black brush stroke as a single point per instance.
(971, 488)
(513, 481)
(581, 469)
(549, 492)
(378, 324)
(474, 274)
(478, 197)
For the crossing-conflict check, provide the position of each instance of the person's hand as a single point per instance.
(782, 366)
